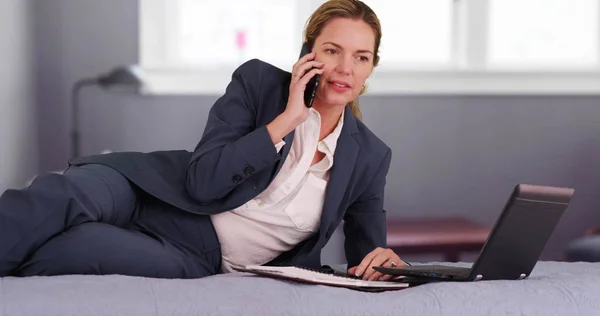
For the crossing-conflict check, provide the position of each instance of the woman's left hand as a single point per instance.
(383, 257)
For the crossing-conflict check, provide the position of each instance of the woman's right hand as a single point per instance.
(296, 111)
(301, 74)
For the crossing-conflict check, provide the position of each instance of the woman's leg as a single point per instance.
(53, 203)
(160, 242)
(101, 249)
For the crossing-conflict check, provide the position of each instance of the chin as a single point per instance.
(333, 99)
(336, 101)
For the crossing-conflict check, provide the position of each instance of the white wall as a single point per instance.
(18, 127)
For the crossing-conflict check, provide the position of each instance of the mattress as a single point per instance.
(554, 288)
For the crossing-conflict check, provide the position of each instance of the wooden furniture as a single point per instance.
(593, 231)
(449, 236)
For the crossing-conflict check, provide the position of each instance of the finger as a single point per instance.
(304, 81)
(388, 264)
(385, 263)
(366, 261)
(306, 58)
(381, 260)
(302, 60)
(376, 276)
(370, 273)
(352, 270)
(386, 277)
(301, 71)
(303, 68)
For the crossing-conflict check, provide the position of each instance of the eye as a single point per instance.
(363, 58)
(331, 51)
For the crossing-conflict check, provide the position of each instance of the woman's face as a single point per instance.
(346, 47)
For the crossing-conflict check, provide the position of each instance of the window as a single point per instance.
(428, 46)
(228, 32)
(544, 33)
(416, 33)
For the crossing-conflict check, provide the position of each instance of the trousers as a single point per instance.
(92, 220)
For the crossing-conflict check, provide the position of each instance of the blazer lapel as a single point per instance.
(344, 160)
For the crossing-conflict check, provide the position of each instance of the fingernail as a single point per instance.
(358, 272)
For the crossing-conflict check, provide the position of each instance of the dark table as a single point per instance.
(449, 236)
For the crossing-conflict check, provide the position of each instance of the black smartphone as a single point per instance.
(313, 83)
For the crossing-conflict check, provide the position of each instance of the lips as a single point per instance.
(339, 86)
(339, 83)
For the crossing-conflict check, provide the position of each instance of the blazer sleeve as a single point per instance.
(232, 148)
(365, 219)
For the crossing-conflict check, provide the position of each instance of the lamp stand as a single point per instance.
(75, 151)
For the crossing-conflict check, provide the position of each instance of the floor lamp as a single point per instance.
(126, 76)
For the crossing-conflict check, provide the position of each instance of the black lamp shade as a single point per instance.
(123, 76)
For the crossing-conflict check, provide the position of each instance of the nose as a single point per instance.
(344, 65)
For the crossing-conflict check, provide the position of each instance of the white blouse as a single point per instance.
(289, 210)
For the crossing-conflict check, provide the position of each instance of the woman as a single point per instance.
(268, 183)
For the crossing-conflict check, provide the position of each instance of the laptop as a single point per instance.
(514, 244)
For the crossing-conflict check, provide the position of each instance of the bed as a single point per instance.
(554, 288)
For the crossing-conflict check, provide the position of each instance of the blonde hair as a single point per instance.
(351, 9)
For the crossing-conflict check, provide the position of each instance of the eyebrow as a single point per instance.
(358, 51)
